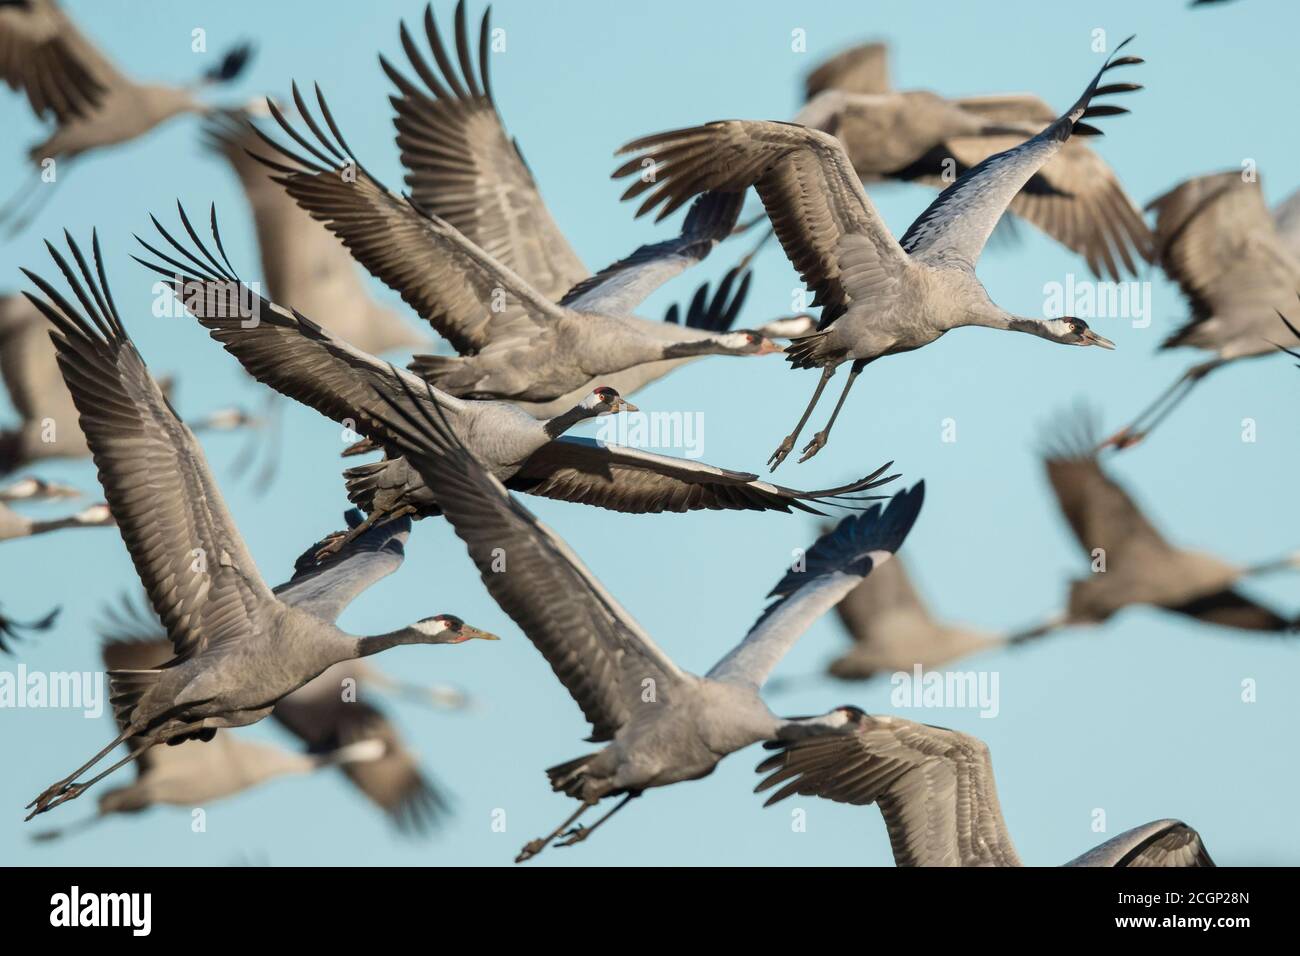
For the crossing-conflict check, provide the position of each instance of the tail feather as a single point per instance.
(126, 689)
(568, 777)
(363, 483)
(813, 351)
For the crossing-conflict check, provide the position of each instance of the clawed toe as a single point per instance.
(1124, 438)
(530, 850)
(576, 835)
(813, 447)
(780, 454)
(53, 796)
(333, 544)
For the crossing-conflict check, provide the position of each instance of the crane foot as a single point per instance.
(780, 454)
(530, 850)
(55, 795)
(1124, 438)
(575, 836)
(813, 447)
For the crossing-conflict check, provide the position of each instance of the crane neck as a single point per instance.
(991, 316)
(561, 423)
(372, 644)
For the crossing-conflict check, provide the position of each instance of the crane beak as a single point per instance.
(1092, 338)
(770, 348)
(469, 632)
(623, 406)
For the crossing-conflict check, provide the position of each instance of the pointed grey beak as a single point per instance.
(624, 406)
(1092, 338)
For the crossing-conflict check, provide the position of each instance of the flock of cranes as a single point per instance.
(541, 345)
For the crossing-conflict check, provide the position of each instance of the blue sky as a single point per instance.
(1142, 718)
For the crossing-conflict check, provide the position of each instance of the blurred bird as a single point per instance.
(1237, 264)
(329, 714)
(30, 370)
(196, 773)
(93, 104)
(920, 137)
(239, 648)
(662, 725)
(1140, 567)
(893, 630)
(936, 790)
(879, 296)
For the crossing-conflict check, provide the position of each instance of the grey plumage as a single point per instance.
(1237, 264)
(879, 296)
(301, 261)
(93, 103)
(475, 252)
(1141, 567)
(921, 137)
(238, 648)
(662, 725)
(293, 355)
(936, 790)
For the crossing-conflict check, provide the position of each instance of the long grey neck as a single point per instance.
(377, 643)
(557, 426)
(676, 350)
(990, 316)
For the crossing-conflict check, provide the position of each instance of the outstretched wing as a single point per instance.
(935, 787)
(1215, 238)
(622, 286)
(1159, 843)
(958, 223)
(279, 347)
(810, 190)
(859, 69)
(1100, 513)
(325, 588)
(596, 649)
(463, 166)
(188, 552)
(628, 479)
(449, 280)
(830, 569)
(43, 54)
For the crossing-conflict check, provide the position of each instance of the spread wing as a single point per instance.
(960, 220)
(935, 787)
(1099, 511)
(449, 280)
(811, 192)
(1215, 237)
(596, 649)
(629, 479)
(186, 548)
(325, 588)
(859, 69)
(43, 54)
(463, 166)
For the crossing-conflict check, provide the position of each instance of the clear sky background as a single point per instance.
(1141, 718)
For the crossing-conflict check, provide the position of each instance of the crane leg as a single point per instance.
(787, 446)
(1159, 410)
(819, 440)
(337, 541)
(534, 847)
(71, 791)
(580, 833)
(54, 789)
